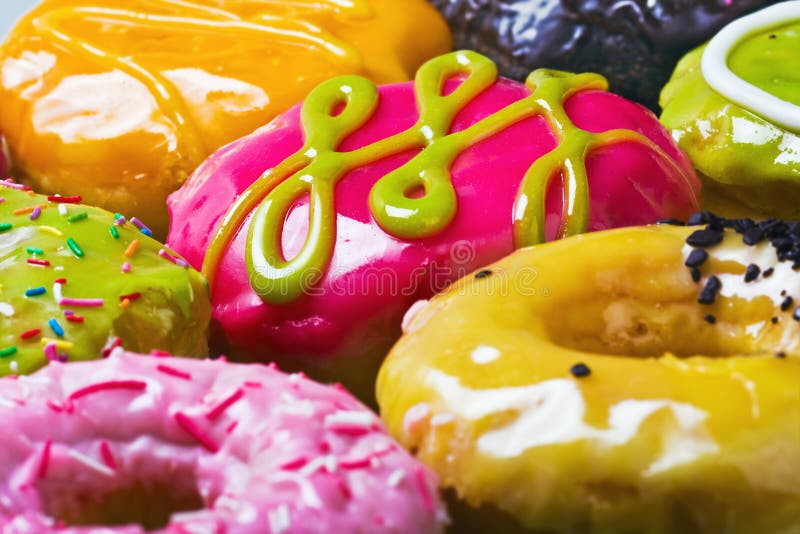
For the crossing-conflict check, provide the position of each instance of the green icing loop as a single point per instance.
(316, 168)
(770, 60)
(169, 309)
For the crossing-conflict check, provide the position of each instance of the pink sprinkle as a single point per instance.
(13, 185)
(55, 406)
(130, 385)
(44, 459)
(107, 455)
(191, 428)
(160, 353)
(166, 369)
(223, 405)
(36, 212)
(126, 267)
(174, 259)
(253, 384)
(342, 487)
(355, 463)
(50, 352)
(62, 281)
(85, 303)
(110, 346)
(231, 427)
(427, 501)
(297, 463)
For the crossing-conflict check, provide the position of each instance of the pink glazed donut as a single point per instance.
(141, 443)
(319, 230)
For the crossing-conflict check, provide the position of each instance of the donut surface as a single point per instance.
(319, 230)
(734, 106)
(634, 44)
(175, 445)
(120, 101)
(75, 279)
(591, 385)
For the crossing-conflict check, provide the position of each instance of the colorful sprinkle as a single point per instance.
(131, 296)
(62, 210)
(191, 428)
(75, 199)
(40, 263)
(114, 232)
(73, 246)
(174, 259)
(37, 211)
(35, 251)
(50, 230)
(83, 303)
(141, 226)
(30, 333)
(126, 268)
(131, 250)
(56, 328)
(59, 343)
(35, 291)
(8, 351)
(166, 369)
(77, 217)
(5, 227)
(22, 211)
(130, 385)
(580, 370)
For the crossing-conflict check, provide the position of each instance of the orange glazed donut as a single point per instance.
(119, 101)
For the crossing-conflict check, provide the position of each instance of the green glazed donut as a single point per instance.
(75, 280)
(734, 107)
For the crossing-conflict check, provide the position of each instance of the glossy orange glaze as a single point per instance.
(119, 102)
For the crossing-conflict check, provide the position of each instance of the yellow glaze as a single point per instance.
(120, 101)
(682, 426)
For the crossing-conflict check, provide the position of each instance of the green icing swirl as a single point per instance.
(770, 60)
(171, 313)
(317, 167)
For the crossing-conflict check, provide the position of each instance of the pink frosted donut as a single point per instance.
(431, 196)
(141, 443)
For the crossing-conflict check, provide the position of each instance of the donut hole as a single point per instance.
(145, 497)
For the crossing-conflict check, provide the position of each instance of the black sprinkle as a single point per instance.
(698, 218)
(752, 272)
(780, 354)
(671, 222)
(787, 303)
(773, 36)
(753, 236)
(580, 370)
(774, 320)
(783, 292)
(696, 258)
(696, 274)
(768, 272)
(710, 319)
(796, 314)
(483, 274)
(709, 292)
(706, 237)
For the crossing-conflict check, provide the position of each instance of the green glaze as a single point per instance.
(770, 60)
(751, 160)
(316, 168)
(172, 313)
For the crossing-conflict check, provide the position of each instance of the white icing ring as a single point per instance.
(725, 82)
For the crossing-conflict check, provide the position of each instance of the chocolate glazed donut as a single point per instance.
(633, 43)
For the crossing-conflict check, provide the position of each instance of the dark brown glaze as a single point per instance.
(634, 43)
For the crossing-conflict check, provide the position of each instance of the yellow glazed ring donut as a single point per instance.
(120, 101)
(592, 385)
